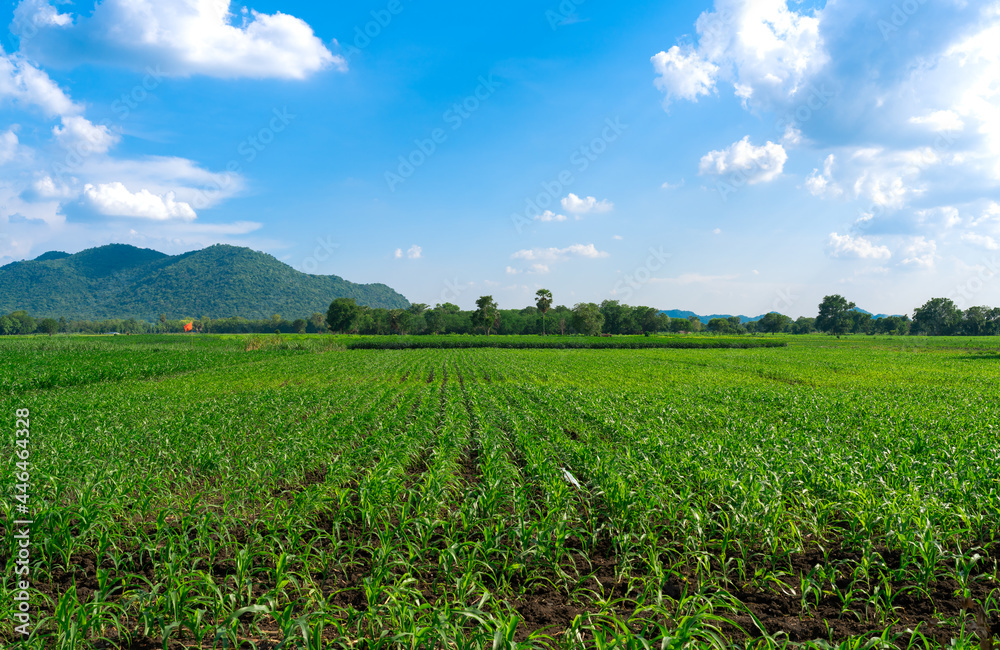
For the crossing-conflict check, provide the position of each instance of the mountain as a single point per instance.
(120, 281)
(679, 313)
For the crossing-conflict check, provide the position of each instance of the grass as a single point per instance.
(288, 492)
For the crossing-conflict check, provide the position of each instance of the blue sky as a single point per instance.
(740, 156)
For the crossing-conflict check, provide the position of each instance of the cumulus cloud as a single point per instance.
(684, 74)
(550, 255)
(115, 200)
(576, 205)
(549, 215)
(764, 49)
(46, 188)
(921, 253)
(940, 121)
(414, 252)
(78, 134)
(26, 85)
(755, 164)
(822, 184)
(982, 241)
(856, 247)
(8, 146)
(180, 38)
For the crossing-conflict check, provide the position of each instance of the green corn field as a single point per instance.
(292, 492)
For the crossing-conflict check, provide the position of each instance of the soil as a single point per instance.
(939, 610)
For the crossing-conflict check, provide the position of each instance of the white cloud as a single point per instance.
(549, 215)
(179, 38)
(792, 136)
(79, 134)
(115, 200)
(856, 247)
(398, 254)
(822, 184)
(717, 231)
(940, 121)
(617, 237)
(755, 164)
(414, 252)
(161, 174)
(695, 278)
(881, 177)
(982, 241)
(588, 251)
(47, 188)
(23, 83)
(766, 50)
(683, 74)
(8, 146)
(576, 205)
(512, 271)
(673, 186)
(921, 253)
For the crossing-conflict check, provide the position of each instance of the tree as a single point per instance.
(448, 308)
(804, 325)
(649, 319)
(974, 322)
(835, 315)
(399, 320)
(543, 300)
(694, 324)
(316, 320)
(773, 322)
(861, 322)
(434, 319)
(299, 326)
(49, 326)
(418, 308)
(937, 317)
(720, 326)
(587, 318)
(342, 314)
(487, 314)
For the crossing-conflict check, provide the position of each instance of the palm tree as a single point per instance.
(543, 300)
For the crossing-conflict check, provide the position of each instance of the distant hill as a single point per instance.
(679, 313)
(120, 281)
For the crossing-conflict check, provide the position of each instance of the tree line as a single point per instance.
(837, 316)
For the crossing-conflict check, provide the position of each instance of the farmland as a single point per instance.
(224, 492)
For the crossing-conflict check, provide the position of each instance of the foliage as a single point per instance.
(587, 318)
(561, 343)
(233, 491)
(940, 317)
(120, 281)
(835, 315)
(487, 314)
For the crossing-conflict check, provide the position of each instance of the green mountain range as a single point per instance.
(120, 281)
